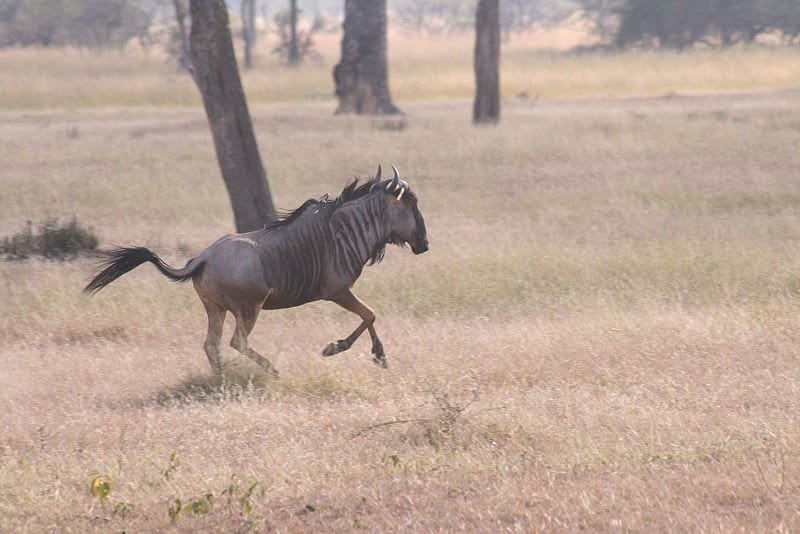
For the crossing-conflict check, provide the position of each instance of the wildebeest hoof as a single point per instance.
(335, 348)
(378, 356)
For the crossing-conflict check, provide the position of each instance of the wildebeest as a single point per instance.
(315, 252)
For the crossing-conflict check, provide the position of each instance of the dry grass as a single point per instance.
(603, 336)
(421, 68)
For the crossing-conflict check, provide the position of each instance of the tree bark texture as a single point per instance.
(362, 75)
(217, 77)
(487, 62)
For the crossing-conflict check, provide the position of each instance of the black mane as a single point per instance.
(352, 191)
(285, 218)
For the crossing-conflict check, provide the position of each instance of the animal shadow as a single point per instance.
(239, 380)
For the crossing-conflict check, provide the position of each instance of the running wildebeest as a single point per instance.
(315, 252)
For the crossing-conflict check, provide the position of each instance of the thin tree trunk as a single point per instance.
(248, 30)
(264, 8)
(251, 22)
(487, 63)
(180, 17)
(294, 50)
(217, 77)
(362, 75)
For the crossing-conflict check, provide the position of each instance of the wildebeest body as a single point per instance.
(315, 252)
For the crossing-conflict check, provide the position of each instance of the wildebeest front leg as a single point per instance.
(350, 302)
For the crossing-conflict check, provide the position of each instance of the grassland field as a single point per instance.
(604, 335)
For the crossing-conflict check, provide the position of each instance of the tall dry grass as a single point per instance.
(421, 68)
(603, 336)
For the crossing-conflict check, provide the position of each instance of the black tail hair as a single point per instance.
(120, 260)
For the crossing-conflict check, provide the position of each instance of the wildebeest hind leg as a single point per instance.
(245, 320)
(216, 318)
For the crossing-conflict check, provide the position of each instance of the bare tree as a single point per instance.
(263, 7)
(217, 77)
(294, 54)
(248, 8)
(362, 75)
(294, 44)
(487, 62)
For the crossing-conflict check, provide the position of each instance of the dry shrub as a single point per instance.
(53, 241)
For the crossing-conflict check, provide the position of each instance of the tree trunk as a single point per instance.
(362, 75)
(487, 63)
(248, 30)
(294, 50)
(264, 8)
(217, 77)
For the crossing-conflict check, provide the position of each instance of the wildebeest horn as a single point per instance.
(402, 185)
(394, 183)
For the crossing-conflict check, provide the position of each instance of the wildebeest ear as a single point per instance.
(376, 179)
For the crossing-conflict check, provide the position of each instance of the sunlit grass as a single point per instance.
(603, 335)
(421, 68)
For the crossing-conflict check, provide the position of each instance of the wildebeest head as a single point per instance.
(406, 224)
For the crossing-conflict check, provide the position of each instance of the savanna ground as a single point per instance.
(604, 335)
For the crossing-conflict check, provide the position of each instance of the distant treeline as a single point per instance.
(82, 23)
(108, 23)
(622, 23)
(685, 23)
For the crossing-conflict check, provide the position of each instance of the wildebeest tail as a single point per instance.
(119, 261)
